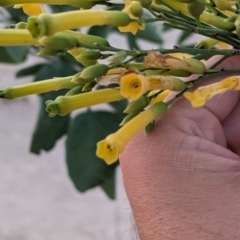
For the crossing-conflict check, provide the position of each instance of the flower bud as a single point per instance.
(128, 118)
(89, 86)
(74, 91)
(196, 8)
(78, 80)
(195, 66)
(136, 9)
(118, 57)
(137, 105)
(88, 58)
(149, 127)
(88, 39)
(19, 25)
(60, 42)
(94, 71)
(145, 3)
(159, 108)
(206, 43)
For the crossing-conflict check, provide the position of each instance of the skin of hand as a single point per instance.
(183, 178)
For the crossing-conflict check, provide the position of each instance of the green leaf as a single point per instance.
(30, 70)
(85, 169)
(13, 54)
(132, 42)
(100, 31)
(151, 33)
(183, 37)
(119, 106)
(109, 186)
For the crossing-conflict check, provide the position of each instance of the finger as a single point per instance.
(222, 105)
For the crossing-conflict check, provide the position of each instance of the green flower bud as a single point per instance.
(60, 41)
(179, 84)
(206, 43)
(137, 105)
(136, 9)
(128, 118)
(88, 39)
(118, 57)
(145, 3)
(78, 80)
(88, 58)
(19, 25)
(195, 66)
(49, 52)
(94, 71)
(149, 127)
(195, 8)
(74, 91)
(89, 86)
(159, 108)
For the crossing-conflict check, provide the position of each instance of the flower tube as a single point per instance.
(62, 105)
(110, 148)
(48, 24)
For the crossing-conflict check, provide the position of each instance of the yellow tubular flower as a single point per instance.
(199, 97)
(165, 82)
(48, 24)
(133, 85)
(37, 87)
(160, 97)
(32, 9)
(112, 76)
(62, 105)
(16, 37)
(130, 8)
(224, 4)
(110, 148)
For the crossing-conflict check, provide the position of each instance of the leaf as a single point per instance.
(183, 36)
(13, 54)
(48, 130)
(151, 33)
(109, 186)
(100, 31)
(119, 106)
(30, 70)
(132, 42)
(85, 169)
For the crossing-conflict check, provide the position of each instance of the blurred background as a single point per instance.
(38, 199)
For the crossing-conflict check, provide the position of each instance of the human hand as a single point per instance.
(183, 178)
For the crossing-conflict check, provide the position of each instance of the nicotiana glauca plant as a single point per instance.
(86, 69)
